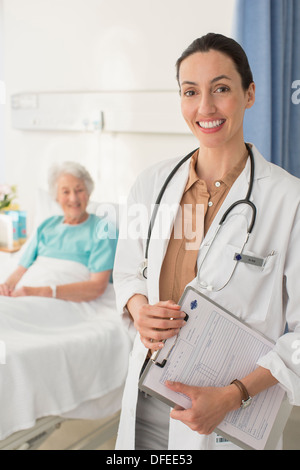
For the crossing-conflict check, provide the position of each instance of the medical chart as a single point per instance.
(212, 349)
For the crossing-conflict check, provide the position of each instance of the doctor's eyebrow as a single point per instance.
(220, 77)
(216, 79)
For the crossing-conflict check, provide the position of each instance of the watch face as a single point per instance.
(246, 403)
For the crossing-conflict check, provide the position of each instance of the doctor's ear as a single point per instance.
(250, 94)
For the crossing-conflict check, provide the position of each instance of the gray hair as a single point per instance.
(69, 168)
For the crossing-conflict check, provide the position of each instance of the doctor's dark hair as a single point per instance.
(225, 45)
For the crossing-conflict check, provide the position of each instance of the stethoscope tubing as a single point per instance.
(248, 195)
(246, 201)
(160, 195)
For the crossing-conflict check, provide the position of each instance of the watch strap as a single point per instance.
(242, 388)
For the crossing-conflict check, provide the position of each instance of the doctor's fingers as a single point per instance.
(158, 334)
(198, 424)
(208, 407)
(149, 324)
(169, 304)
(161, 311)
(150, 343)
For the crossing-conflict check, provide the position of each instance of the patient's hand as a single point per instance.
(5, 289)
(21, 292)
(84, 291)
(8, 287)
(26, 291)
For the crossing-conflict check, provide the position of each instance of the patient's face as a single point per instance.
(73, 198)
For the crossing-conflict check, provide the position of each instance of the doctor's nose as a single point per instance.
(206, 105)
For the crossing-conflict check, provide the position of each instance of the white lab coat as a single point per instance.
(265, 298)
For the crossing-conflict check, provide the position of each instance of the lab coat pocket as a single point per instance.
(253, 283)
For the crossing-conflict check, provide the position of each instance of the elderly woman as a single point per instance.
(74, 236)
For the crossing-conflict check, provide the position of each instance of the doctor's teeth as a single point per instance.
(211, 124)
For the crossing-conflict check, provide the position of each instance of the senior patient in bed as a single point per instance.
(74, 236)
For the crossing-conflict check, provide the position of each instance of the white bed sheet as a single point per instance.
(62, 358)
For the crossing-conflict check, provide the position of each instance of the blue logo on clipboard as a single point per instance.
(194, 304)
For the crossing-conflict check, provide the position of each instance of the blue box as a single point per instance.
(22, 226)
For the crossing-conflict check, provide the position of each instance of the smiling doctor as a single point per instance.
(255, 204)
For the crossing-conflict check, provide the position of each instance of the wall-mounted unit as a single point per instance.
(142, 112)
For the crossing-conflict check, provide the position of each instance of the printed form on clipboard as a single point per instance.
(212, 349)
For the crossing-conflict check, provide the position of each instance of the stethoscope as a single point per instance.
(144, 265)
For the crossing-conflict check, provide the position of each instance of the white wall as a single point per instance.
(2, 98)
(96, 45)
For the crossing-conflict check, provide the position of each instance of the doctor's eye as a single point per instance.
(222, 89)
(189, 93)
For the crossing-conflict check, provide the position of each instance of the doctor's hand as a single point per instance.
(209, 405)
(157, 322)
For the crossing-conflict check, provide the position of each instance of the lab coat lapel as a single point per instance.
(166, 214)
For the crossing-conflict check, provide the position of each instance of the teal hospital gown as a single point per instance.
(90, 243)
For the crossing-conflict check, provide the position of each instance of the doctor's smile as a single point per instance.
(211, 125)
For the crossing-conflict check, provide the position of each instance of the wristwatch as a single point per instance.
(246, 399)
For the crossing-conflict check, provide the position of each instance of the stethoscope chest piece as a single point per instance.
(143, 269)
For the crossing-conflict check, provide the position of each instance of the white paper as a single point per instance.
(214, 348)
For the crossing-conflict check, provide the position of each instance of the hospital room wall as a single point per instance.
(89, 46)
(2, 97)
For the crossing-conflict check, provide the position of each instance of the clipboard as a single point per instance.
(212, 349)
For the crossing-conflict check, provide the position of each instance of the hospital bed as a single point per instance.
(32, 438)
(63, 361)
